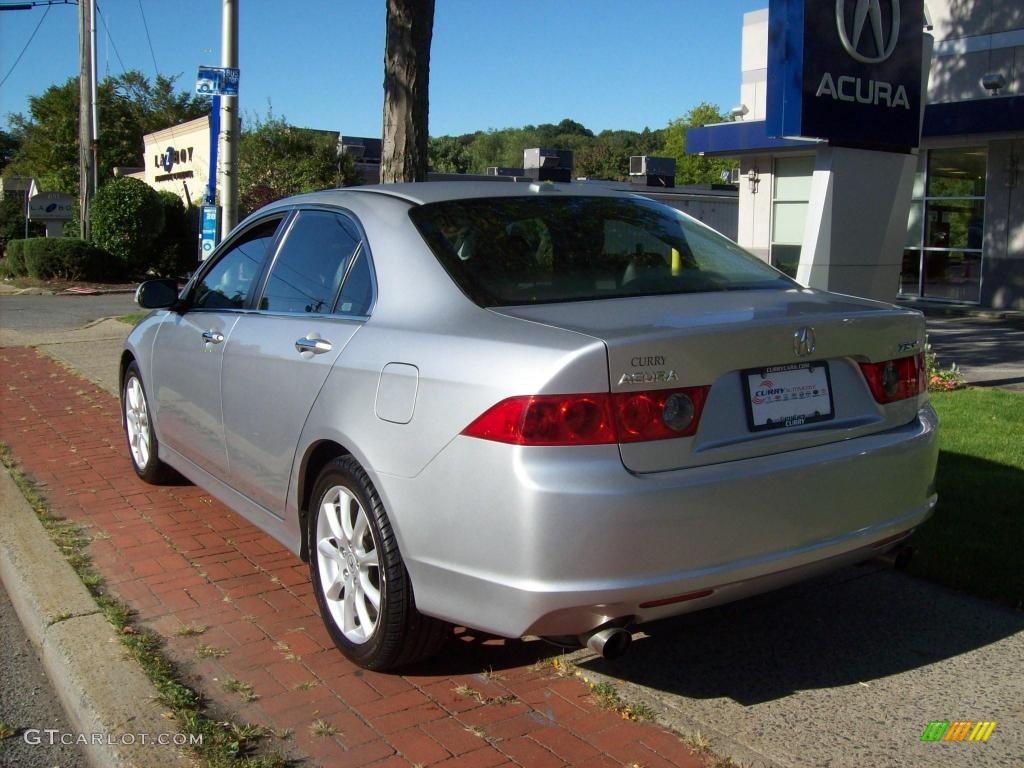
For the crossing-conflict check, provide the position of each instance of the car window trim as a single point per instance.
(362, 247)
(268, 263)
(226, 246)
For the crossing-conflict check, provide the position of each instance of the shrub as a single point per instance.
(68, 258)
(13, 262)
(942, 379)
(12, 221)
(175, 251)
(127, 217)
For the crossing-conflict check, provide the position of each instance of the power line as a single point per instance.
(33, 4)
(148, 38)
(110, 39)
(30, 39)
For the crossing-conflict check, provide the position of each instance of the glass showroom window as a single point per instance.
(791, 189)
(942, 258)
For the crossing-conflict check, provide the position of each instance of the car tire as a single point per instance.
(143, 447)
(362, 587)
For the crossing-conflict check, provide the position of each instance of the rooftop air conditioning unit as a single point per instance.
(540, 158)
(548, 164)
(648, 165)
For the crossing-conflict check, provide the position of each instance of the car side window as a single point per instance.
(311, 263)
(230, 281)
(357, 292)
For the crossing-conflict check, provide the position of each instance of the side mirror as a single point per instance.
(157, 294)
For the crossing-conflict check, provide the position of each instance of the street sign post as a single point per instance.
(217, 81)
(214, 82)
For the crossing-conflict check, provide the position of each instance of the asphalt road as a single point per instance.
(55, 313)
(840, 672)
(28, 702)
(990, 352)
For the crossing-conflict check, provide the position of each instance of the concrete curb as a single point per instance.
(102, 690)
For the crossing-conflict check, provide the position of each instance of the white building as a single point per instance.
(963, 231)
(177, 159)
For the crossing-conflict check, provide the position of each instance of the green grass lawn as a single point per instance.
(975, 539)
(132, 319)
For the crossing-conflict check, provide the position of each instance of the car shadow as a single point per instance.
(471, 652)
(859, 624)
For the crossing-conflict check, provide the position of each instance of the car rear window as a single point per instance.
(513, 251)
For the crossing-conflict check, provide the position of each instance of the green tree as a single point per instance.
(605, 155)
(694, 169)
(276, 160)
(490, 148)
(449, 154)
(129, 107)
(9, 144)
(12, 220)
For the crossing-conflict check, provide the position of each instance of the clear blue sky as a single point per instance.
(494, 63)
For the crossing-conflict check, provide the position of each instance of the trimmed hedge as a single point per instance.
(67, 258)
(127, 217)
(13, 262)
(176, 247)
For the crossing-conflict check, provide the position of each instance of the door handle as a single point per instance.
(213, 337)
(316, 346)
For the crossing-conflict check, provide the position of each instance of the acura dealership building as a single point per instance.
(880, 145)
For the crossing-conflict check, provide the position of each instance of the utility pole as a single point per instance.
(93, 102)
(229, 121)
(87, 145)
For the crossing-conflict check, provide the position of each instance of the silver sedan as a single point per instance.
(531, 409)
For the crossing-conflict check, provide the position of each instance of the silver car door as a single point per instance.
(277, 358)
(188, 350)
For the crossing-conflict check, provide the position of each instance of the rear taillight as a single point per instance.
(659, 414)
(592, 419)
(897, 379)
(547, 420)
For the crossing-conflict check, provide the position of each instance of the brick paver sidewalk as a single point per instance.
(179, 557)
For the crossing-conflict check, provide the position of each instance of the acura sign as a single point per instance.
(873, 9)
(848, 71)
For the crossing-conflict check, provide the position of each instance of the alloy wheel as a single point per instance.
(350, 573)
(136, 417)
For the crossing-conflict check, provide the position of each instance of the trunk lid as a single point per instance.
(723, 340)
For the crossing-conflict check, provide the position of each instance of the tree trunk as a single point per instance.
(410, 26)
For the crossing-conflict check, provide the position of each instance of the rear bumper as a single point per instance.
(557, 541)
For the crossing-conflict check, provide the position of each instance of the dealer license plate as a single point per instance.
(788, 395)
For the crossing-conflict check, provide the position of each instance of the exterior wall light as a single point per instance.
(739, 111)
(753, 178)
(993, 82)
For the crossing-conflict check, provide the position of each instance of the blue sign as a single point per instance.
(217, 81)
(848, 71)
(208, 237)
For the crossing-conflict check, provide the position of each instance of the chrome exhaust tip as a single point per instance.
(903, 557)
(897, 558)
(609, 643)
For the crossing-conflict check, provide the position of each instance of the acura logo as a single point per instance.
(868, 10)
(803, 341)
